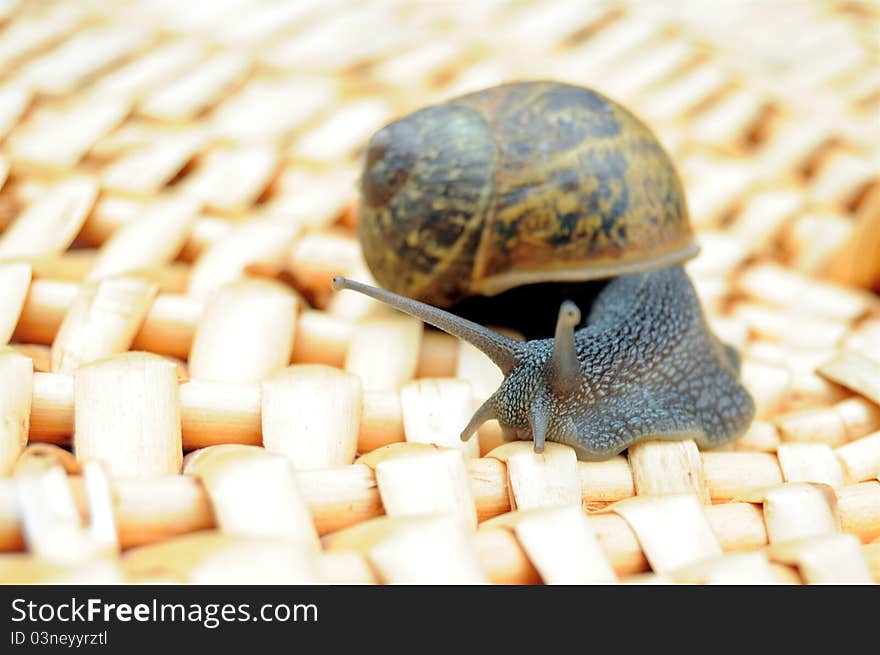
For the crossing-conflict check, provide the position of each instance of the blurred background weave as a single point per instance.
(178, 187)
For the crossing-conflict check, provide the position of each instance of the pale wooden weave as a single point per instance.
(178, 189)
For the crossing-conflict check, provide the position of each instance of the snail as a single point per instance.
(532, 183)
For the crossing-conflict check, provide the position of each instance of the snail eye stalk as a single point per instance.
(563, 371)
(505, 352)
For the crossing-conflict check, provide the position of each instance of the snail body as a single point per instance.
(645, 366)
(534, 183)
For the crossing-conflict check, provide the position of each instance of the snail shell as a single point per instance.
(522, 183)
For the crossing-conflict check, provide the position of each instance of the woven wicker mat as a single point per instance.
(183, 398)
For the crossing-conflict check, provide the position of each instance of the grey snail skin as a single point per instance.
(547, 187)
(645, 366)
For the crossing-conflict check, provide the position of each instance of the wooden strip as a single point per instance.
(213, 413)
(872, 557)
(262, 23)
(860, 459)
(504, 559)
(736, 568)
(268, 110)
(40, 355)
(15, 279)
(16, 391)
(225, 261)
(436, 410)
(830, 559)
(47, 140)
(798, 511)
(661, 468)
(28, 34)
(768, 385)
(212, 557)
(673, 530)
(684, 93)
(313, 200)
(761, 436)
(551, 23)
(856, 372)
(778, 285)
(561, 544)
(423, 61)
(183, 98)
(346, 568)
(50, 519)
(764, 214)
(738, 526)
(156, 508)
(349, 127)
(52, 407)
(51, 223)
(47, 455)
(728, 120)
(806, 462)
(607, 481)
(423, 480)
(71, 266)
(113, 212)
(128, 415)
(614, 40)
(144, 73)
(383, 351)
(439, 357)
(170, 325)
(165, 506)
(321, 338)
(253, 492)
(381, 422)
(863, 338)
(14, 101)
(414, 550)
(63, 70)
(537, 480)
(798, 330)
(231, 179)
(722, 182)
(314, 49)
(146, 170)
(311, 414)
(853, 263)
(475, 367)
(102, 321)
(860, 417)
(152, 240)
(339, 498)
(818, 425)
(721, 253)
(28, 569)
(858, 506)
(814, 238)
(245, 333)
(318, 257)
(842, 177)
(790, 147)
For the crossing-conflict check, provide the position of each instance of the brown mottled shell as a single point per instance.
(521, 183)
